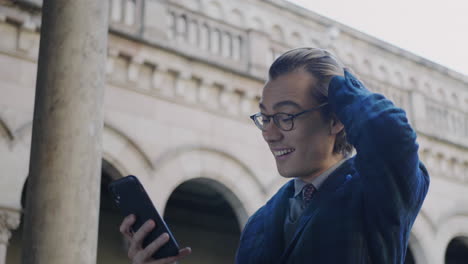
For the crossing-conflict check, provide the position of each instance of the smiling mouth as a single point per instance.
(283, 152)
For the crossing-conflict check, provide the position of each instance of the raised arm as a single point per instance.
(396, 181)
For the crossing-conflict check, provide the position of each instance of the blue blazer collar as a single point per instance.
(277, 208)
(332, 184)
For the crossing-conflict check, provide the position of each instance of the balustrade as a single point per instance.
(125, 13)
(195, 32)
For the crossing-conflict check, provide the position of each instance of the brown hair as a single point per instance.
(323, 65)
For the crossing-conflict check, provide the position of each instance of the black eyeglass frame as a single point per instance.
(290, 116)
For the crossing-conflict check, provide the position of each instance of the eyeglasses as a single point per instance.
(283, 121)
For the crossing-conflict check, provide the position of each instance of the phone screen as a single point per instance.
(130, 197)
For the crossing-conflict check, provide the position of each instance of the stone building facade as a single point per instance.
(182, 78)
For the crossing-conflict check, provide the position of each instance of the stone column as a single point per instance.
(62, 208)
(9, 220)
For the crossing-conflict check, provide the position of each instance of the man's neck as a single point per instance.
(332, 161)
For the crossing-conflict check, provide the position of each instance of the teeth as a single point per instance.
(282, 152)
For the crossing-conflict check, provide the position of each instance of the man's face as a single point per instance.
(307, 149)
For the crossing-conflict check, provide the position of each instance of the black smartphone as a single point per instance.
(130, 197)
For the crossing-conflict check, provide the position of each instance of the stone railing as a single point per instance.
(444, 123)
(179, 29)
(212, 40)
(126, 15)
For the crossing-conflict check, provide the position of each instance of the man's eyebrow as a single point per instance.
(286, 103)
(281, 104)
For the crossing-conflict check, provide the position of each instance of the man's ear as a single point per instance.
(335, 125)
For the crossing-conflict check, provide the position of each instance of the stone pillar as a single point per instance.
(62, 208)
(9, 220)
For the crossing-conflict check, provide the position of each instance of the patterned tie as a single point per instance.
(307, 193)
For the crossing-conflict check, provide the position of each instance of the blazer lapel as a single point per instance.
(275, 213)
(331, 184)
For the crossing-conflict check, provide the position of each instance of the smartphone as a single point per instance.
(130, 197)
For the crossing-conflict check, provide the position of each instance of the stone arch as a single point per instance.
(118, 149)
(203, 207)
(17, 147)
(123, 152)
(111, 245)
(457, 251)
(450, 227)
(277, 33)
(190, 162)
(227, 194)
(421, 235)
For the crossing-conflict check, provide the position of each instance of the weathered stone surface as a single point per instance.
(174, 104)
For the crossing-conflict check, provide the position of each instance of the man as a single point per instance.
(336, 208)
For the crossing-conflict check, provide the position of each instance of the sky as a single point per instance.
(434, 29)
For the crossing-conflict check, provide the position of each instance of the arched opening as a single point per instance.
(200, 213)
(409, 258)
(111, 244)
(13, 255)
(457, 251)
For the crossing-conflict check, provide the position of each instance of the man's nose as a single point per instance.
(271, 133)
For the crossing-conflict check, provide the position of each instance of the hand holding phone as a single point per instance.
(140, 255)
(148, 234)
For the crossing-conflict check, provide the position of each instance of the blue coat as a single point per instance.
(364, 211)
